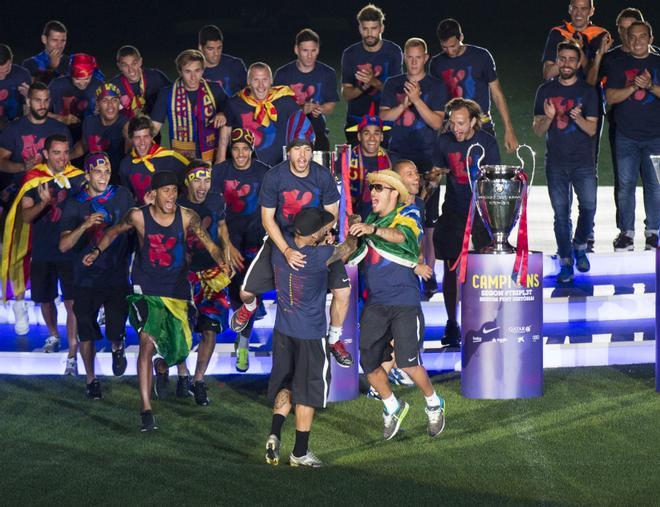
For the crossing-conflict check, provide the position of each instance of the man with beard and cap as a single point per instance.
(105, 131)
(389, 253)
(566, 112)
(239, 181)
(52, 62)
(366, 65)
(31, 242)
(289, 187)
(208, 280)
(221, 68)
(14, 83)
(158, 307)
(86, 215)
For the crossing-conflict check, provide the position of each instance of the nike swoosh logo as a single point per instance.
(487, 331)
(345, 279)
(412, 358)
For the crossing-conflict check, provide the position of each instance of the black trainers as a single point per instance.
(119, 361)
(651, 242)
(162, 380)
(452, 337)
(623, 243)
(148, 421)
(199, 391)
(94, 390)
(591, 243)
(183, 387)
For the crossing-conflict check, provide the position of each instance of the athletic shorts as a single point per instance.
(44, 276)
(379, 325)
(449, 232)
(303, 366)
(87, 302)
(260, 278)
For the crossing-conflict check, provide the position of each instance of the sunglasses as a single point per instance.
(378, 187)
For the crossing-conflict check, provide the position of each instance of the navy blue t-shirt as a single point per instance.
(108, 138)
(555, 36)
(566, 143)
(154, 81)
(301, 294)
(288, 194)
(211, 212)
(161, 108)
(66, 98)
(240, 189)
(385, 63)
(468, 75)
(11, 101)
(137, 178)
(46, 227)
(268, 141)
(411, 137)
(450, 154)
(319, 86)
(39, 67)
(111, 268)
(230, 73)
(637, 117)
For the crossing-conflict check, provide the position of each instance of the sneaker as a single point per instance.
(71, 366)
(242, 357)
(240, 319)
(591, 243)
(273, 450)
(452, 337)
(651, 242)
(199, 391)
(52, 344)
(430, 287)
(161, 383)
(341, 355)
(148, 421)
(183, 386)
(582, 261)
(400, 378)
(373, 394)
(623, 243)
(565, 274)
(119, 361)
(94, 390)
(21, 323)
(308, 460)
(392, 422)
(436, 417)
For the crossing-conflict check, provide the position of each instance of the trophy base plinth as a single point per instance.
(498, 249)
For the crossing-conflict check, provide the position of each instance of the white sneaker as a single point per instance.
(308, 460)
(21, 323)
(52, 344)
(71, 366)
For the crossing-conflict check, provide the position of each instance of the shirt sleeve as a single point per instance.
(388, 98)
(438, 97)
(590, 105)
(538, 102)
(490, 69)
(397, 61)
(329, 192)
(279, 79)
(550, 50)
(616, 78)
(69, 220)
(347, 69)
(159, 112)
(330, 93)
(268, 192)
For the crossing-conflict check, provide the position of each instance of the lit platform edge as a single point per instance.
(223, 363)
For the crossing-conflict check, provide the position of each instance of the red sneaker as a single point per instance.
(340, 354)
(240, 319)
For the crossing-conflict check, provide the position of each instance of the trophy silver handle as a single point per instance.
(467, 160)
(522, 162)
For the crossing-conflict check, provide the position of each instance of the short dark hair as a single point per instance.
(55, 138)
(125, 51)
(188, 56)
(37, 86)
(54, 26)
(448, 28)
(642, 23)
(591, 3)
(568, 45)
(209, 33)
(140, 122)
(5, 54)
(629, 12)
(306, 35)
(401, 162)
(371, 13)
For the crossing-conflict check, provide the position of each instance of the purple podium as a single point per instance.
(345, 381)
(501, 323)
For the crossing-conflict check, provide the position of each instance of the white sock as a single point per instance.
(433, 400)
(334, 333)
(251, 306)
(391, 404)
(243, 342)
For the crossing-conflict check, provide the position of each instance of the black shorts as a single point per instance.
(204, 323)
(87, 302)
(303, 366)
(44, 276)
(260, 279)
(432, 209)
(449, 232)
(380, 324)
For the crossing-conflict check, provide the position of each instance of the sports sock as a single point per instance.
(433, 400)
(251, 306)
(243, 342)
(334, 334)
(276, 425)
(391, 404)
(302, 441)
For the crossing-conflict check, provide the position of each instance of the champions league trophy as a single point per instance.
(329, 159)
(500, 191)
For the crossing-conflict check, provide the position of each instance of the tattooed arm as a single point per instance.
(345, 249)
(195, 225)
(126, 224)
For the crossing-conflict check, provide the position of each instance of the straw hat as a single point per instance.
(389, 179)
